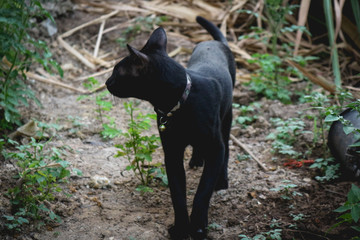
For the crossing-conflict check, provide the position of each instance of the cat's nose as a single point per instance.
(109, 82)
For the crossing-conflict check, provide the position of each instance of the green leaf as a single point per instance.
(354, 194)
(348, 129)
(9, 218)
(78, 171)
(343, 209)
(357, 228)
(355, 212)
(22, 220)
(331, 118)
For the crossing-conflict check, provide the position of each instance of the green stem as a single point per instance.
(332, 41)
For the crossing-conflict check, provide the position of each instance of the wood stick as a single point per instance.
(240, 144)
(95, 74)
(96, 60)
(353, 88)
(315, 79)
(56, 83)
(98, 41)
(96, 20)
(76, 53)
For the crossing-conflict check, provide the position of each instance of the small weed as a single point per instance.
(285, 136)
(103, 105)
(271, 79)
(328, 168)
(243, 157)
(353, 205)
(297, 217)
(247, 114)
(138, 149)
(76, 124)
(214, 227)
(287, 190)
(40, 171)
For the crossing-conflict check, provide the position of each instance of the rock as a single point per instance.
(99, 182)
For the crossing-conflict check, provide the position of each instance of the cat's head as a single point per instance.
(135, 74)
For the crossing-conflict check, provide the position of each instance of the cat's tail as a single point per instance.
(212, 29)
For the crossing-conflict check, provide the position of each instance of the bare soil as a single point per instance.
(117, 211)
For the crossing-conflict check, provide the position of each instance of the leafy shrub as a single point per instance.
(18, 50)
(353, 205)
(272, 77)
(138, 149)
(40, 171)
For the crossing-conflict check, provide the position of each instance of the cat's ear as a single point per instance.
(138, 56)
(157, 40)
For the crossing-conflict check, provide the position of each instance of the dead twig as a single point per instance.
(53, 82)
(96, 74)
(76, 54)
(98, 41)
(240, 144)
(315, 79)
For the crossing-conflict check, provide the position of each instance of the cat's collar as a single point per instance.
(165, 116)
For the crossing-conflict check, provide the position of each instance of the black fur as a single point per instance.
(203, 120)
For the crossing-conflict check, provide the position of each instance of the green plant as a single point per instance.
(327, 113)
(328, 168)
(214, 227)
(103, 105)
(40, 171)
(287, 190)
(275, 12)
(247, 113)
(298, 217)
(18, 50)
(76, 124)
(285, 136)
(272, 77)
(138, 148)
(353, 205)
(348, 127)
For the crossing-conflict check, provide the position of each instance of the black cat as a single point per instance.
(194, 107)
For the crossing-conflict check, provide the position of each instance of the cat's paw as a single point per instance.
(178, 233)
(222, 183)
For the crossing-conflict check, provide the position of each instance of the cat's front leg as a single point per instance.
(177, 183)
